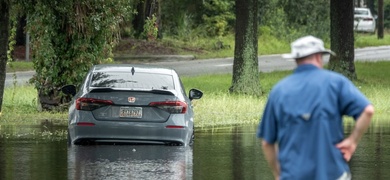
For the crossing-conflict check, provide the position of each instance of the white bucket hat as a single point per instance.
(306, 46)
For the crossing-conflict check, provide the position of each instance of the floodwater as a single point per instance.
(229, 153)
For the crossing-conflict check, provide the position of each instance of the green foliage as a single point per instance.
(14, 14)
(11, 38)
(284, 19)
(386, 22)
(274, 23)
(218, 16)
(150, 28)
(68, 37)
(306, 17)
(191, 19)
(180, 19)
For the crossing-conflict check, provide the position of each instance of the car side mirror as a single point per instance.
(69, 89)
(195, 94)
(375, 16)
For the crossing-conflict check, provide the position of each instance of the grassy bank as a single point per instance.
(366, 40)
(204, 48)
(20, 107)
(217, 107)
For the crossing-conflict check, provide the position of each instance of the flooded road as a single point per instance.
(229, 153)
(235, 153)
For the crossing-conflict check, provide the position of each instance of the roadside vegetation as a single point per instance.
(217, 108)
(367, 40)
(205, 48)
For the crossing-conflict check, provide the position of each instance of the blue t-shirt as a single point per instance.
(304, 116)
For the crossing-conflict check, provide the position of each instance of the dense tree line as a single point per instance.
(67, 37)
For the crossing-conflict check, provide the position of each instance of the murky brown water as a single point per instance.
(230, 153)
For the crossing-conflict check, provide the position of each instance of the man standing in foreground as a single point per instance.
(302, 129)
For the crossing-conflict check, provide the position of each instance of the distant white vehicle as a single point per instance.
(364, 20)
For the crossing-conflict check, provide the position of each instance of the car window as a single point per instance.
(183, 90)
(361, 12)
(137, 81)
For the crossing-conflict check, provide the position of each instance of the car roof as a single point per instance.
(362, 12)
(360, 8)
(129, 67)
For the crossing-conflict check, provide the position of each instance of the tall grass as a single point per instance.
(219, 108)
(19, 66)
(20, 106)
(366, 40)
(374, 82)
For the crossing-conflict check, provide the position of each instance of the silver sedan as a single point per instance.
(364, 20)
(138, 104)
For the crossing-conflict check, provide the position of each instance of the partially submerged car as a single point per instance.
(124, 103)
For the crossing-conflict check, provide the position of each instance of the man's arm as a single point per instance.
(348, 145)
(270, 153)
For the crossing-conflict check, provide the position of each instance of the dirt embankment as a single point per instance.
(130, 47)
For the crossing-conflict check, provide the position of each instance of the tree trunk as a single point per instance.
(146, 9)
(245, 68)
(139, 19)
(358, 3)
(380, 20)
(342, 38)
(4, 33)
(371, 5)
(20, 34)
(159, 20)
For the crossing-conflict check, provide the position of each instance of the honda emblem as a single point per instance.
(131, 99)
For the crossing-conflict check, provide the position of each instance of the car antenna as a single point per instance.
(132, 71)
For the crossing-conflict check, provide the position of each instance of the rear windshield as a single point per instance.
(361, 12)
(137, 81)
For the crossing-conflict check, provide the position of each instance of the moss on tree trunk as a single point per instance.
(245, 68)
(342, 38)
(4, 33)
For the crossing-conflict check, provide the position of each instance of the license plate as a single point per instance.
(130, 112)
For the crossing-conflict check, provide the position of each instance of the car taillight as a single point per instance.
(368, 19)
(174, 107)
(85, 124)
(89, 104)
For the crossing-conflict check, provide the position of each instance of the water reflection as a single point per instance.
(231, 153)
(235, 153)
(26, 154)
(129, 162)
(372, 158)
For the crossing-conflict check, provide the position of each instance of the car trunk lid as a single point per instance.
(135, 105)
